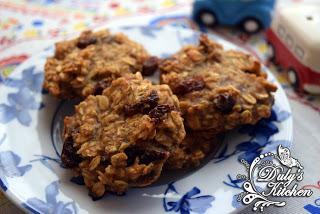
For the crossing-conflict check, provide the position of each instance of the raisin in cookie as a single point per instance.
(218, 90)
(194, 148)
(123, 137)
(87, 64)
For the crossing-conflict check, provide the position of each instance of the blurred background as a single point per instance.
(27, 25)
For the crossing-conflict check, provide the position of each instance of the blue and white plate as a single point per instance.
(30, 167)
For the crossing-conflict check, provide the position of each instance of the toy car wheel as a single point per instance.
(271, 53)
(251, 25)
(293, 78)
(207, 18)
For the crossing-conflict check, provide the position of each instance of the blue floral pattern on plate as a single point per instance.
(10, 166)
(21, 102)
(30, 79)
(260, 135)
(19, 105)
(45, 160)
(189, 202)
(150, 31)
(50, 204)
(237, 184)
(313, 208)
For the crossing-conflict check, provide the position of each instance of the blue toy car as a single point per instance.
(250, 15)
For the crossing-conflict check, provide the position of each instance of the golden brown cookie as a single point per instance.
(218, 90)
(86, 65)
(123, 137)
(194, 148)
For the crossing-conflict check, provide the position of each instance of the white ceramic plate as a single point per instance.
(30, 170)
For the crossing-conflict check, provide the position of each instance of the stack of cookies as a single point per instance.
(127, 130)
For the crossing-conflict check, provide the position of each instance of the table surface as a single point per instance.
(23, 23)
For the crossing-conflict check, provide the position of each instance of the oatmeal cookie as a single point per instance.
(86, 65)
(123, 137)
(218, 90)
(194, 148)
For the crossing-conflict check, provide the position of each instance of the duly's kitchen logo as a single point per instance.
(279, 175)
